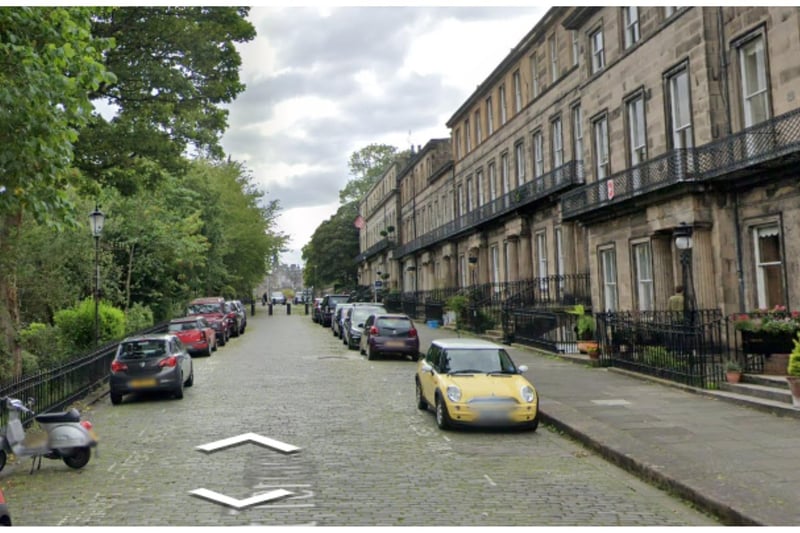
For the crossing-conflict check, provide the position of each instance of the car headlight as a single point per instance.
(527, 393)
(454, 393)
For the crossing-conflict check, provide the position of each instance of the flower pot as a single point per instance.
(794, 387)
(587, 346)
(733, 376)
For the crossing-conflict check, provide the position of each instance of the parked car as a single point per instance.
(212, 309)
(150, 363)
(337, 322)
(242, 314)
(278, 298)
(473, 381)
(328, 306)
(389, 333)
(354, 322)
(5, 515)
(316, 311)
(195, 333)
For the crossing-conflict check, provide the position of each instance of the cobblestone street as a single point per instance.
(367, 456)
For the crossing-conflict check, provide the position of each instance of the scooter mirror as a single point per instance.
(31, 401)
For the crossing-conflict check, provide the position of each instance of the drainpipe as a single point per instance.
(723, 58)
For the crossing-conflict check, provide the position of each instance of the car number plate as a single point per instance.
(494, 415)
(139, 383)
(395, 344)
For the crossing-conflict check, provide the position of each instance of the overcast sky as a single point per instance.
(323, 83)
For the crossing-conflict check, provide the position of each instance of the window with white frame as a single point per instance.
(577, 133)
(541, 260)
(769, 266)
(458, 143)
(506, 264)
(470, 195)
(504, 173)
(643, 268)
(598, 53)
(637, 141)
(608, 275)
(560, 272)
(538, 154)
(503, 108)
(753, 66)
(478, 131)
(669, 11)
(534, 77)
(495, 264)
(479, 187)
(519, 153)
(492, 175)
(630, 14)
(601, 161)
(489, 116)
(468, 136)
(517, 92)
(576, 50)
(462, 269)
(460, 199)
(679, 110)
(553, 47)
(557, 138)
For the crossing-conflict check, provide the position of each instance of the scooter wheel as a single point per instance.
(3, 458)
(78, 458)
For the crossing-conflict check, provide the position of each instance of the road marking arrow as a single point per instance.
(248, 437)
(216, 497)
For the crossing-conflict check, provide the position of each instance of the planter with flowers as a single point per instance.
(768, 331)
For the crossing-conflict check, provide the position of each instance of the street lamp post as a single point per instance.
(683, 242)
(97, 219)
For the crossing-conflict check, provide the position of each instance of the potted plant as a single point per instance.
(793, 371)
(584, 329)
(767, 331)
(733, 371)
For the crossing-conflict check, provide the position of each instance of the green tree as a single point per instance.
(175, 68)
(50, 62)
(366, 166)
(330, 254)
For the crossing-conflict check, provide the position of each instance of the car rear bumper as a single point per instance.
(128, 385)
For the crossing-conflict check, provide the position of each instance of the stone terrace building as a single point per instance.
(605, 133)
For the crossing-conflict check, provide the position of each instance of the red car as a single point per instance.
(195, 333)
(213, 310)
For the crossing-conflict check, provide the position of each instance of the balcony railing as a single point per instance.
(771, 140)
(375, 249)
(527, 193)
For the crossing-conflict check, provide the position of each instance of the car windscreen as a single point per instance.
(399, 325)
(201, 309)
(360, 314)
(478, 360)
(142, 349)
(333, 300)
(183, 326)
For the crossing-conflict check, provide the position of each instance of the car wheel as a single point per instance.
(214, 348)
(222, 340)
(421, 403)
(3, 458)
(442, 418)
(179, 390)
(344, 341)
(370, 354)
(116, 398)
(78, 458)
(190, 381)
(360, 349)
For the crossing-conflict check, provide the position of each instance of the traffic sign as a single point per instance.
(378, 284)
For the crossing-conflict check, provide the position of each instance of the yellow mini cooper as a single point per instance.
(475, 382)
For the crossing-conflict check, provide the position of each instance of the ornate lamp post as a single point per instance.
(683, 242)
(97, 219)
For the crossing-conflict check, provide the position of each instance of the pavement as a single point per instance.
(730, 460)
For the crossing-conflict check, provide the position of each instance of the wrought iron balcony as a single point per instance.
(554, 181)
(375, 249)
(776, 141)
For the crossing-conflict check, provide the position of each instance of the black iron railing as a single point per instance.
(688, 348)
(375, 249)
(772, 140)
(553, 331)
(55, 388)
(554, 181)
(550, 291)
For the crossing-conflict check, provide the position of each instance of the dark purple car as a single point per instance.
(389, 333)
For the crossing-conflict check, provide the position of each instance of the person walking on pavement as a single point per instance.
(675, 302)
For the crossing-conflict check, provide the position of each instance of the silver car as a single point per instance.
(337, 321)
(354, 322)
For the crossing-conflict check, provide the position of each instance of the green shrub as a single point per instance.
(138, 318)
(459, 305)
(77, 324)
(794, 359)
(44, 341)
